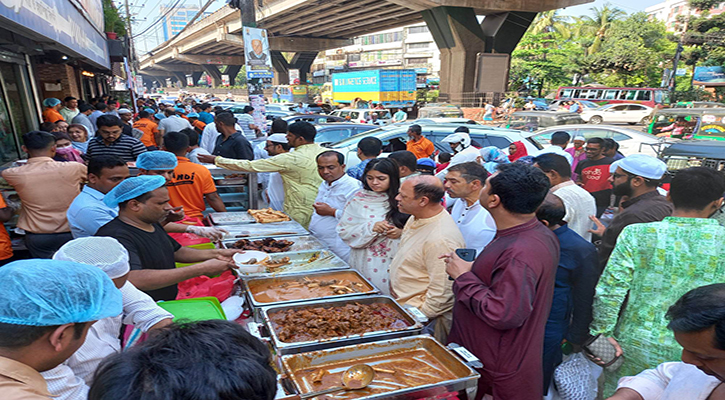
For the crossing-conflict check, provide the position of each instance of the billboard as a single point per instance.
(709, 76)
(256, 53)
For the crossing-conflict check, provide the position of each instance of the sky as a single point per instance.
(148, 11)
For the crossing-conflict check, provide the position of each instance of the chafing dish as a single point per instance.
(272, 229)
(231, 218)
(301, 243)
(414, 327)
(411, 359)
(300, 261)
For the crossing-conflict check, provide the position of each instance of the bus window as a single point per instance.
(644, 95)
(576, 93)
(593, 94)
(611, 94)
(565, 93)
(658, 97)
(631, 94)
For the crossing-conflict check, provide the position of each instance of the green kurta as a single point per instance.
(656, 263)
(298, 169)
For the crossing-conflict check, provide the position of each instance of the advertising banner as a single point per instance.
(709, 76)
(256, 53)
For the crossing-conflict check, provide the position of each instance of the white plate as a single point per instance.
(241, 259)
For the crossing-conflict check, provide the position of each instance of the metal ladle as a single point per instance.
(356, 377)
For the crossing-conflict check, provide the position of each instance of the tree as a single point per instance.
(538, 62)
(551, 22)
(600, 24)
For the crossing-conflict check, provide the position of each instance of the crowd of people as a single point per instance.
(509, 255)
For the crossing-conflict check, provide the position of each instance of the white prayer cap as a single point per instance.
(579, 137)
(277, 138)
(105, 253)
(642, 165)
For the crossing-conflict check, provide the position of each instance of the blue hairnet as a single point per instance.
(159, 116)
(133, 187)
(151, 110)
(193, 115)
(51, 102)
(50, 292)
(156, 160)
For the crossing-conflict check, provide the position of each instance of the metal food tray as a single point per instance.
(272, 229)
(302, 243)
(248, 283)
(327, 260)
(231, 218)
(465, 376)
(414, 326)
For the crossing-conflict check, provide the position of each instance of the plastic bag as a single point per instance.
(574, 379)
(203, 286)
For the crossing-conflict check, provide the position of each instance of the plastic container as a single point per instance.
(201, 246)
(198, 309)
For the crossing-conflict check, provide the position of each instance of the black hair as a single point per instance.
(444, 158)
(332, 153)
(388, 167)
(462, 129)
(176, 142)
(16, 336)
(193, 136)
(279, 125)
(552, 210)
(60, 136)
(471, 171)
(405, 158)
(370, 146)
(69, 98)
(247, 109)
(520, 187)
(203, 360)
(101, 106)
(204, 106)
(170, 111)
(610, 143)
(553, 162)
(98, 163)
(433, 192)
(694, 188)
(85, 107)
(560, 137)
(225, 118)
(303, 129)
(108, 120)
(48, 126)
(416, 128)
(699, 309)
(144, 114)
(38, 140)
(596, 140)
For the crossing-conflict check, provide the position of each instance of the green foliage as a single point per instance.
(704, 4)
(539, 61)
(112, 20)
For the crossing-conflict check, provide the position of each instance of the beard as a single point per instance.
(625, 189)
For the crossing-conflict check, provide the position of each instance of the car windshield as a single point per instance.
(378, 133)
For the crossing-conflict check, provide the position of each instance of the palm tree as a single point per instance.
(550, 21)
(600, 23)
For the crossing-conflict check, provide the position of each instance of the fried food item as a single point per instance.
(267, 245)
(269, 264)
(267, 215)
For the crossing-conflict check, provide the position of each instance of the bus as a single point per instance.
(606, 95)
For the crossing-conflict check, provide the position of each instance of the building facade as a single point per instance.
(409, 47)
(177, 19)
(674, 13)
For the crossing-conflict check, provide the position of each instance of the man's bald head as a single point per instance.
(552, 211)
(427, 186)
(420, 196)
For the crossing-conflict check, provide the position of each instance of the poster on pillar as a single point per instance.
(257, 101)
(256, 53)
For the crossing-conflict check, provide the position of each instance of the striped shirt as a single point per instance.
(126, 147)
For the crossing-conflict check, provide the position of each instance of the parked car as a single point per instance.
(586, 104)
(531, 121)
(394, 137)
(630, 141)
(440, 110)
(694, 153)
(313, 118)
(362, 115)
(617, 113)
(227, 104)
(280, 107)
(337, 131)
(457, 121)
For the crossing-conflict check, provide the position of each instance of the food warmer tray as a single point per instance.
(250, 283)
(463, 376)
(231, 218)
(414, 326)
(299, 262)
(301, 243)
(272, 229)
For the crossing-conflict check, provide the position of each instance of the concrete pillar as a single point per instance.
(196, 76)
(281, 68)
(233, 71)
(503, 31)
(216, 76)
(460, 38)
(181, 76)
(302, 60)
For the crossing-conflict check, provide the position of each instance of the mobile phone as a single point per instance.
(466, 254)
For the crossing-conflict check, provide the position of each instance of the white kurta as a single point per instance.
(335, 195)
(371, 253)
(671, 381)
(476, 224)
(71, 379)
(579, 205)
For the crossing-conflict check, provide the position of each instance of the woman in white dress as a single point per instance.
(371, 223)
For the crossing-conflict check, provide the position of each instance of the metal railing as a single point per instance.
(471, 99)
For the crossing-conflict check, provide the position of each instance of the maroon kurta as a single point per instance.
(501, 310)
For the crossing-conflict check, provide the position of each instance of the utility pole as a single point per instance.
(132, 54)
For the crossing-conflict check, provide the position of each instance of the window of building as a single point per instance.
(418, 29)
(413, 46)
(353, 57)
(417, 61)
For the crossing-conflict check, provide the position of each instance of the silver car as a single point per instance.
(630, 141)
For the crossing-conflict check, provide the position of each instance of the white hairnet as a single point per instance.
(105, 253)
(51, 292)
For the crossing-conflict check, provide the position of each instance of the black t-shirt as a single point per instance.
(595, 176)
(236, 147)
(146, 250)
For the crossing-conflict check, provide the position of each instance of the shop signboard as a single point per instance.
(59, 21)
(709, 76)
(256, 51)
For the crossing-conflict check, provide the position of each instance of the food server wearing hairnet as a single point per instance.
(142, 202)
(71, 379)
(46, 309)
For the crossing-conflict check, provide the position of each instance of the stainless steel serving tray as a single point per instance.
(231, 218)
(299, 262)
(414, 326)
(272, 229)
(278, 280)
(302, 243)
(465, 377)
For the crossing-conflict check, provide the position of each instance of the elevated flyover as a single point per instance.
(306, 27)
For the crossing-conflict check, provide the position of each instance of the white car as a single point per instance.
(616, 113)
(630, 141)
(362, 115)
